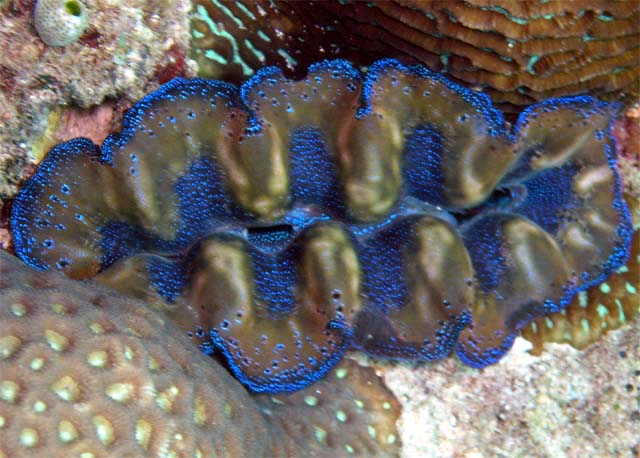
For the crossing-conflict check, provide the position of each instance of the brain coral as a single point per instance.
(284, 222)
(85, 372)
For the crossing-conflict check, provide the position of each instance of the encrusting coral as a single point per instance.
(517, 51)
(87, 372)
(382, 211)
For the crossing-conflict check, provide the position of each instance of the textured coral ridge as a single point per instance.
(287, 221)
(89, 373)
(518, 51)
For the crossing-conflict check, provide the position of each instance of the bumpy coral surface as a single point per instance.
(284, 222)
(86, 372)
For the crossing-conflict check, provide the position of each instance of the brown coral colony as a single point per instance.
(518, 52)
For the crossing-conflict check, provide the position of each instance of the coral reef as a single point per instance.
(563, 404)
(86, 372)
(126, 51)
(309, 222)
(59, 22)
(518, 52)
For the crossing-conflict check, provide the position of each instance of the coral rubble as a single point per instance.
(126, 50)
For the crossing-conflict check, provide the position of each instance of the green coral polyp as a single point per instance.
(285, 222)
